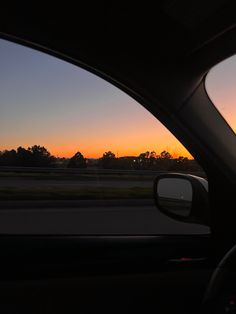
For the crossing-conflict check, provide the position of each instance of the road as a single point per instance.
(121, 216)
(89, 219)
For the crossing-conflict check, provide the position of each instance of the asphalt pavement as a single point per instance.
(138, 219)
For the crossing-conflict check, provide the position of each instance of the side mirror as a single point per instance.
(182, 197)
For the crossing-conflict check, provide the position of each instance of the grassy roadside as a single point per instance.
(78, 194)
(74, 177)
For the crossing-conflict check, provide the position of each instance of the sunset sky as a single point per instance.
(221, 88)
(49, 102)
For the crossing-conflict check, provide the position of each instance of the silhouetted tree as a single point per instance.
(164, 161)
(108, 155)
(108, 160)
(152, 160)
(77, 161)
(143, 160)
(40, 156)
(8, 158)
(36, 156)
(24, 157)
(147, 160)
(165, 155)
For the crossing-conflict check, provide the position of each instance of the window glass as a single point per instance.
(78, 155)
(220, 86)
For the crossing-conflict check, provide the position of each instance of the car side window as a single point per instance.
(220, 86)
(72, 143)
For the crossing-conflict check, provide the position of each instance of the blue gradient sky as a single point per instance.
(46, 101)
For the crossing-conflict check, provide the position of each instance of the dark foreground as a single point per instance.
(135, 217)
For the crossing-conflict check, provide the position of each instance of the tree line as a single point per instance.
(149, 161)
(39, 156)
(34, 156)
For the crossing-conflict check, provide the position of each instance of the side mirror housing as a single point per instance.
(182, 197)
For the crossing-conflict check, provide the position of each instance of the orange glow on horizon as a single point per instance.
(130, 144)
(128, 139)
(98, 152)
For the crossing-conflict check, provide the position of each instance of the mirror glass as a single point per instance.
(175, 195)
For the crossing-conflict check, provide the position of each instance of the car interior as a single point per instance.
(160, 55)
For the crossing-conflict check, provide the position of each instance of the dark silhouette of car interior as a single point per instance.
(159, 55)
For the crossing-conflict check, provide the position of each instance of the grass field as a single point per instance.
(69, 184)
(80, 194)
